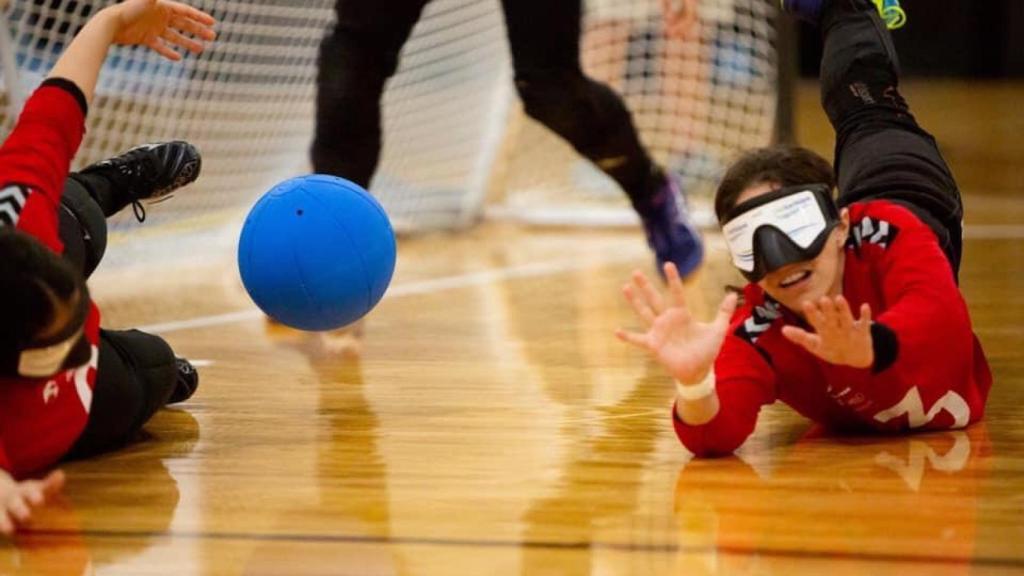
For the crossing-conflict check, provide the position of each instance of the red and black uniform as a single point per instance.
(40, 419)
(103, 403)
(929, 373)
(903, 258)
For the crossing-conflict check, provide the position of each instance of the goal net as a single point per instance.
(455, 135)
(696, 102)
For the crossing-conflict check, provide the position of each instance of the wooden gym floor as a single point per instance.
(493, 425)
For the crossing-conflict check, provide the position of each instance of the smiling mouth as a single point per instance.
(794, 279)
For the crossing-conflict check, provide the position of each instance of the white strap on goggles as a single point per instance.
(45, 362)
(797, 215)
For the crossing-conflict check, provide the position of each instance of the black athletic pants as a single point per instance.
(359, 55)
(881, 152)
(136, 372)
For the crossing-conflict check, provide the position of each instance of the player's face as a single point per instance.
(796, 283)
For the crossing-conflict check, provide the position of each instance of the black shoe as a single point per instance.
(150, 171)
(187, 382)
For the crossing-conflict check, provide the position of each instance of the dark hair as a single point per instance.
(31, 275)
(779, 165)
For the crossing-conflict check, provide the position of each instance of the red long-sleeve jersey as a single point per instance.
(929, 373)
(41, 418)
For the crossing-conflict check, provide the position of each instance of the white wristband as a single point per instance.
(691, 392)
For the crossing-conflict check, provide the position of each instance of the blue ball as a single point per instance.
(316, 252)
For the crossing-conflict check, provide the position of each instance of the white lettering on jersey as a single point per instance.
(913, 407)
(50, 391)
(81, 378)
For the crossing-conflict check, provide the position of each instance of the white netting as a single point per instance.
(695, 103)
(248, 103)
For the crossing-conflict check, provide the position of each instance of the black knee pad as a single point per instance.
(150, 362)
(83, 228)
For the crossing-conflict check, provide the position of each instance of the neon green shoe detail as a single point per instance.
(892, 13)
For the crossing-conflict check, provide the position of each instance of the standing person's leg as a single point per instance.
(356, 59)
(881, 151)
(545, 42)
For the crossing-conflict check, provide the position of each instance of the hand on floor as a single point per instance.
(18, 499)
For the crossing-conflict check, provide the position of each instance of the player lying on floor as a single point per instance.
(889, 249)
(68, 388)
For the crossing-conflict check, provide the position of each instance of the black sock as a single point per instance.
(102, 191)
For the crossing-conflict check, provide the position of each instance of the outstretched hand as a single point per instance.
(838, 338)
(680, 16)
(17, 499)
(685, 347)
(161, 25)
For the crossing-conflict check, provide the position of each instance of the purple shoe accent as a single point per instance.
(670, 233)
(809, 10)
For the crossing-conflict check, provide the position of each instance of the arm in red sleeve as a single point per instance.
(36, 157)
(744, 382)
(924, 346)
(5, 463)
(39, 151)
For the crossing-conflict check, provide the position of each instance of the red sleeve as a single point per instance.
(36, 158)
(924, 344)
(5, 463)
(744, 382)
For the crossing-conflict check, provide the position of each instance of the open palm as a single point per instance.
(685, 347)
(162, 24)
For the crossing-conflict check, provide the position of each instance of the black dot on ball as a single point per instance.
(298, 212)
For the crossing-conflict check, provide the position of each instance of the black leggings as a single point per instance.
(881, 152)
(136, 373)
(361, 52)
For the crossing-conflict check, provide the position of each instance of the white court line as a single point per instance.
(985, 231)
(418, 288)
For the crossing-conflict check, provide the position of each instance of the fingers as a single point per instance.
(810, 342)
(6, 524)
(158, 46)
(829, 314)
(53, 483)
(679, 16)
(649, 292)
(194, 28)
(814, 315)
(639, 305)
(33, 492)
(177, 39)
(865, 314)
(18, 508)
(844, 317)
(645, 298)
(675, 285)
(634, 338)
(185, 11)
(726, 309)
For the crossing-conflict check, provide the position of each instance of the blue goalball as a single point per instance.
(316, 252)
